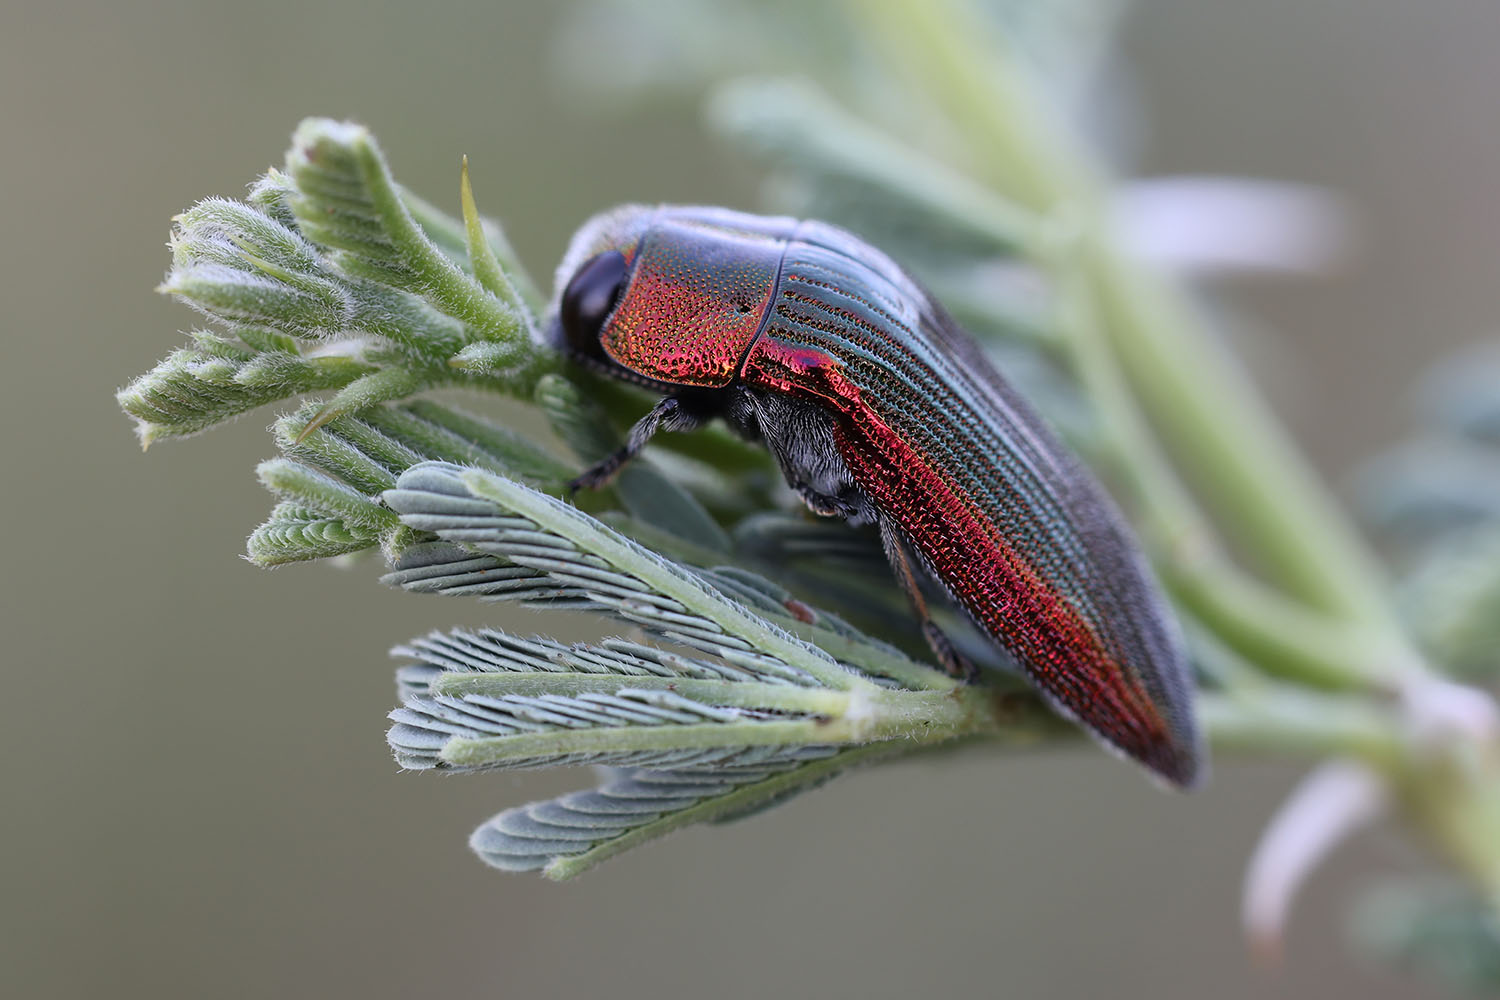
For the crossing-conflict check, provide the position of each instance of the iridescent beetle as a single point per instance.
(879, 409)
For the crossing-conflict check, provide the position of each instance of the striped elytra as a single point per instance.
(879, 409)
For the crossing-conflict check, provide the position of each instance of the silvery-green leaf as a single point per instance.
(578, 561)
(568, 835)
(487, 699)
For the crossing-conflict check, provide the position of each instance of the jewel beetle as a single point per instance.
(879, 409)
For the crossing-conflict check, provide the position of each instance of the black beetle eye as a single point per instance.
(588, 299)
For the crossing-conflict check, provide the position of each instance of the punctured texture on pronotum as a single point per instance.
(880, 410)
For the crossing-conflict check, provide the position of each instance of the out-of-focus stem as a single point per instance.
(1218, 426)
(1282, 636)
(1285, 720)
(1459, 805)
(1267, 498)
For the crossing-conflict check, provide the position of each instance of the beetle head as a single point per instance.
(665, 295)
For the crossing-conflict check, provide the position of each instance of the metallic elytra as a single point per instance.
(879, 409)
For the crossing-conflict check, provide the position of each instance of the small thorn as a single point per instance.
(145, 433)
(465, 189)
(320, 418)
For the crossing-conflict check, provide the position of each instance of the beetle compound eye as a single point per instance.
(588, 299)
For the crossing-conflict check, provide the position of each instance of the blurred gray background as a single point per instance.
(198, 798)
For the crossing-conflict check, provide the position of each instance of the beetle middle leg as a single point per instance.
(669, 414)
(904, 565)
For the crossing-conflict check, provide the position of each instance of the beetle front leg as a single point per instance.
(904, 565)
(667, 415)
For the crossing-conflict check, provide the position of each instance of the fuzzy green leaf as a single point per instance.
(312, 489)
(195, 388)
(239, 265)
(347, 202)
(487, 357)
(295, 533)
(368, 391)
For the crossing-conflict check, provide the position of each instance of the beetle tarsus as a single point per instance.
(954, 663)
(904, 565)
(600, 473)
(827, 506)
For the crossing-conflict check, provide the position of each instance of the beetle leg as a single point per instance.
(667, 415)
(904, 564)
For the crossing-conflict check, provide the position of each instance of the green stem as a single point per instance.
(1211, 421)
(1282, 720)
(1282, 636)
(1458, 803)
(1201, 403)
(867, 717)
(729, 694)
(945, 49)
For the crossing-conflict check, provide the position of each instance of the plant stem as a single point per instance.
(1212, 423)
(1283, 719)
(913, 717)
(1281, 635)
(1202, 404)
(731, 694)
(1459, 805)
